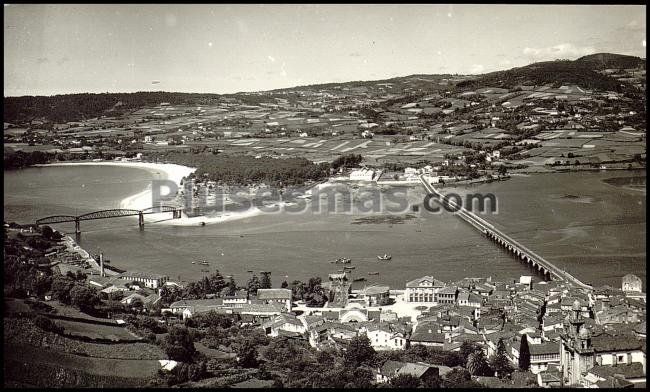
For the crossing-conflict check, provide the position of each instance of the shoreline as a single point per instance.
(175, 173)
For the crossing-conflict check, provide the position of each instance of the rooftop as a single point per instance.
(265, 294)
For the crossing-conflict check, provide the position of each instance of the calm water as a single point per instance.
(599, 235)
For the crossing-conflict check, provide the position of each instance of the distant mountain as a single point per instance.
(611, 60)
(582, 72)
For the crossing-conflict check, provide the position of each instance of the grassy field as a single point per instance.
(95, 331)
(23, 331)
(99, 366)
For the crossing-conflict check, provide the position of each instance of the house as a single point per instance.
(426, 335)
(423, 290)
(133, 298)
(447, 295)
(280, 296)
(618, 349)
(419, 370)
(550, 378)
(191, 307)
(618, 315)
(632, 283)
(284, 322)
(152, 281)
(543, 355)
(384, 336)
(469, 299)
(630, 372)
(239, 297)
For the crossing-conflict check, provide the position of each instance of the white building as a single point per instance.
(152, 281)
(382, 338)
(632, 283)
(362, 174)
(280, 296)
(423, 290)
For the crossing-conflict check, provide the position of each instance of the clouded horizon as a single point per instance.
(62, 49)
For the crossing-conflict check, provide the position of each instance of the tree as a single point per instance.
(524, 353)
(359, 352)
(405, 381)
(253, 285)
(178, 345)
(231, 286)
(466, 348)
(247, 353)
(477, 364)
(500, 362)
(83, 297)
(265, 281)
(284, 284)
(459, 378)
(502, 170)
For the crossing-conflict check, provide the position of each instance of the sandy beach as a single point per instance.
(171, 172)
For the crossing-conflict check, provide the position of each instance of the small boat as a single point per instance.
(373, 273)
(349, 268)
(359, 280)
(385, 257)
(342, 260)
(204, 263)
(194, 262)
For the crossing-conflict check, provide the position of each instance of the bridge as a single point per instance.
(525, 255)
(106, 214)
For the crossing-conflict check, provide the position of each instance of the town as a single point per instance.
(324, 196)
(471, 332)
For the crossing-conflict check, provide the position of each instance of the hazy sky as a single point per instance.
(57, 49)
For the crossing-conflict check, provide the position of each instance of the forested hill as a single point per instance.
(582, 72)
(76, 107)
(609, 60)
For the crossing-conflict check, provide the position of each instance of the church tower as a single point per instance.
(576, 353)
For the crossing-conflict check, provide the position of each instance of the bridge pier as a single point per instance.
(141, 220)
(77, 227)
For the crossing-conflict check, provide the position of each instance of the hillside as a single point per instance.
(560, 72)
(610, 60)
(75, 107)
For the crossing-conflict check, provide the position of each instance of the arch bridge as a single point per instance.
(107, 214)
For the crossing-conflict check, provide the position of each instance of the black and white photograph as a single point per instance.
(324, 196)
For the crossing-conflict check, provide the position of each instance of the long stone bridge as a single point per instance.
(545, 267)
(105, 214)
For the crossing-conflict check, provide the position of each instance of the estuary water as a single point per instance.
(593, 228)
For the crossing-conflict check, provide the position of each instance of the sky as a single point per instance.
(63, 49)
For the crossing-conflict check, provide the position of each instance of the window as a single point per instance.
(621, 358)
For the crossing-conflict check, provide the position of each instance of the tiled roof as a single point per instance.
(546, 348)
(434, 282)
(196, 302)
(389, 367)
(632, 370)
(414, 369)
(606, 343)
(423, 335)
(265, 294)
(614, 382)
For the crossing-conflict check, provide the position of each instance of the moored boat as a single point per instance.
(385, 257)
